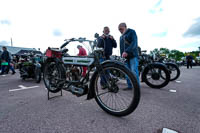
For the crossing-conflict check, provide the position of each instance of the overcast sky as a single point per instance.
(174, 24)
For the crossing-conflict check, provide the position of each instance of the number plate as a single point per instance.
(81, 61)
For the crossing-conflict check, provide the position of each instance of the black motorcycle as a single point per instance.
(107, 89)
(172, 67)
(30, 67)
(154, 74)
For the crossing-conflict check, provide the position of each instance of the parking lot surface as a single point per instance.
(24, 108)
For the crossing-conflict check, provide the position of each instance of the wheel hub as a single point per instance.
(155, 76)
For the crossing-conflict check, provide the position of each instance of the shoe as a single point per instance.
(13, 73)
(127, 89)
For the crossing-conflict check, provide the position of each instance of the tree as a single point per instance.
(176, 54)
(165, 51)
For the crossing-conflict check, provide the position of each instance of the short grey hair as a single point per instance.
(122, 25)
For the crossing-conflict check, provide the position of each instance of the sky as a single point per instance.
(173, 24)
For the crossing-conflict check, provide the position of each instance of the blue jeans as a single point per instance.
(132, 64)
(3, 68)
(103, 78)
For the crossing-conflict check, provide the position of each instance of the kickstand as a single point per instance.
(48, 94)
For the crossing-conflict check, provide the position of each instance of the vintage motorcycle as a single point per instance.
(172, 67)
(106, 88)
(30, 67)
(154, 74)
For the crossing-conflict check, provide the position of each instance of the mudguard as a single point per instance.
(152, 65)
(53, 59)
(91, 92)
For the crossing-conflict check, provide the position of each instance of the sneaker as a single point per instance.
(13, 73)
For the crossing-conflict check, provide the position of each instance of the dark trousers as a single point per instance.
(189, 64)
(104, 76)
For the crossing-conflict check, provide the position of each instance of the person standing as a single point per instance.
(189, 60)
(5, 57)
(107, 42)
(82, 52)
(129, 50)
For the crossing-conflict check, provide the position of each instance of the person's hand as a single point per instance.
(111, 37)
(124, 55)
(103, 36)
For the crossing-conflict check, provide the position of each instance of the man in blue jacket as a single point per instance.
(129, 50)
(107, 42)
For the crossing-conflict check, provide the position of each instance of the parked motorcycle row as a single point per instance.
(154, 71)
(60, 71)
(30, 66)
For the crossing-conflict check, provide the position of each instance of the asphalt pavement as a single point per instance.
(24, 108)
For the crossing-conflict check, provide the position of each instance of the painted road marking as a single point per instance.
(172, 91)
(177, 81)
(3, 75)
(21, 87)
(166, 130)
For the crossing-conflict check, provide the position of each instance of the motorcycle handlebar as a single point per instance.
(72, 40)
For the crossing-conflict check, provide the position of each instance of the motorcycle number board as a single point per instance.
(84, 61)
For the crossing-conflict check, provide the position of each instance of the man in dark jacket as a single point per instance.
(5, 57)
(129, 50)
(189, 60)
(107, 42)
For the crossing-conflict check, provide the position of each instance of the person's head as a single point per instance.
(122, 27)
(79, 46)
(4, 48)
(106, 30)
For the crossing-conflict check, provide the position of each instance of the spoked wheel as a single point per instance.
(111, 91)
(54, 75)
(173, 70)
(156, 76)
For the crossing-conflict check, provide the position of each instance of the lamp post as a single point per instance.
(199, 51)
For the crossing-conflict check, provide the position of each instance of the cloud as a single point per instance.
(57, 32)
(194, 30)
(158, 3)
(161, 34)
(156, 8)
(5, 22)
(4, 43)
(191, 46)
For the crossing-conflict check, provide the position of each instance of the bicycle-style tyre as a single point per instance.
(153, 76)
(115, 100)
(174, 71)
(53, 76)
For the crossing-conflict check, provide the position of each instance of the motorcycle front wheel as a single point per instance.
(53, 75)
(112, 92)
(156, 76)
(174, 71)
